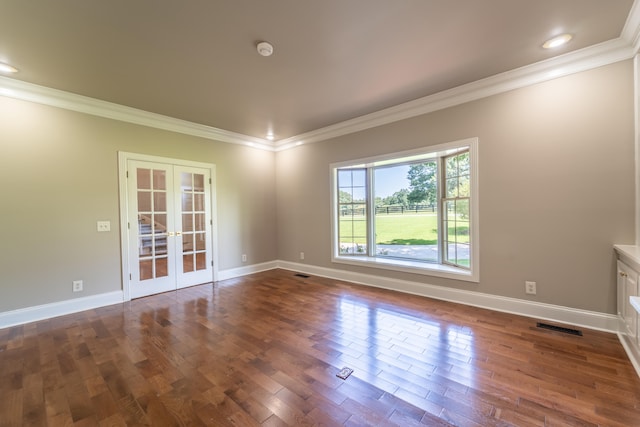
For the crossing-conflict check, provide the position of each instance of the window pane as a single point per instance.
(451, 164)
(185, 181)
(463, 186)
(456, 221)
(359, 177)
(452, 187)
(414, 207)
(457, 232)
(352, 211)
(463, 163)
(406, 217)
(344, 179)
(359, 194)
(353, 229)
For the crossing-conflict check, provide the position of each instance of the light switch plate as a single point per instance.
(104, 226)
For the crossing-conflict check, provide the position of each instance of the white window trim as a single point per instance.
(408, 266)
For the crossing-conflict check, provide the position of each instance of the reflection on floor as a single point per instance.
(265, 350)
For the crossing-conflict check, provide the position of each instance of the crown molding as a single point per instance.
(620, 49)
(631, 30)
(57, 98)
(585, 59)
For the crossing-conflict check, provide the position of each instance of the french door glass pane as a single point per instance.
(187, 222)
(152, 223)
(198, 183)
(187, 202)
(187, 243)
(144, 179)
(187, 263)
(198, 202)
(160, 201)
(199, 220)
(193, 222)
(159, 180)
(201, 243)
(201, 261)
(144, 201)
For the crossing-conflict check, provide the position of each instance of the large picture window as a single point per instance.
(412, 211)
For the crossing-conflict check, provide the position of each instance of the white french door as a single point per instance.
(169, 225)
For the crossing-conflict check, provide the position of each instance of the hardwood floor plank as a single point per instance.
(264, 350)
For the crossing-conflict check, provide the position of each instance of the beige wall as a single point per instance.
(556, 186)
(556, 192)
(59, 175)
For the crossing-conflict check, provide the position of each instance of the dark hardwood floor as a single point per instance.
(265, 350)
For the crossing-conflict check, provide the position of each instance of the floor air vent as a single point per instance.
(304, 276)
(559, 329)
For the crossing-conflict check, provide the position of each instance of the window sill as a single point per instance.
(407, 266)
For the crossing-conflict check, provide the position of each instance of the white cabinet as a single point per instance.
(628, 301)
(627, 287)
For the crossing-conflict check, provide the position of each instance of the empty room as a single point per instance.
(339, 213)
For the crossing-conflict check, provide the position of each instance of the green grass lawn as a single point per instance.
(410, 229)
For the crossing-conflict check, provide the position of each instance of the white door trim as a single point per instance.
(123, 158)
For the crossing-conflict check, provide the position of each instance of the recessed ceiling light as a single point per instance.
(6, 68)
(270, 136)
(557, 41)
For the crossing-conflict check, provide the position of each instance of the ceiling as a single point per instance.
(334, 60)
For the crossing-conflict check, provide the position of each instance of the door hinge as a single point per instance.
(130, 276)
(127, 174)
(210, 181)
(129, 225)
(211, 263)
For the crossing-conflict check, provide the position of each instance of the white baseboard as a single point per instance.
(632, 351)
(47, 311)
(232, 273)
(556, 313)
(549, 312)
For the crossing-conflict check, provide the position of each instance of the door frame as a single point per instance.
(123, 159)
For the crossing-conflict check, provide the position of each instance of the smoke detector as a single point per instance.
(265, 49)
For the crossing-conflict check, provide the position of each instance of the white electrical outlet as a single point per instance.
(244, 258)
(530, 288)
(301, 255)
(77, 286)
(104, 226)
